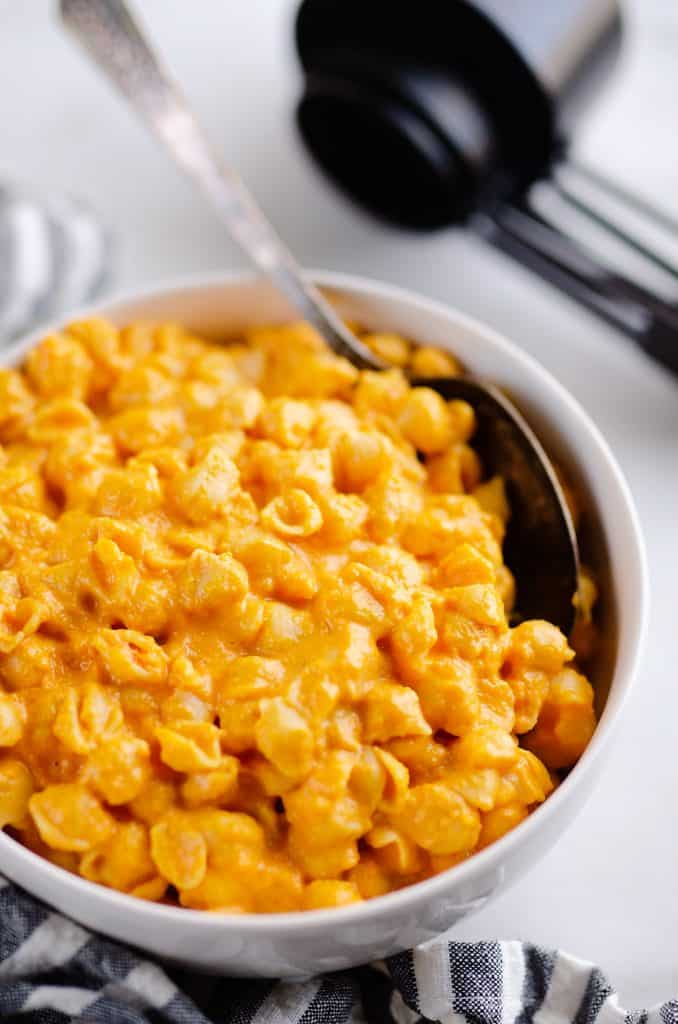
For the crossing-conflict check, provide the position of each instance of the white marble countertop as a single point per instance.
(609, 890)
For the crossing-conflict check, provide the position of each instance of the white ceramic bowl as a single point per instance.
(298, 944)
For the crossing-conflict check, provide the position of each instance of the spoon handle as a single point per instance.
(112, 38)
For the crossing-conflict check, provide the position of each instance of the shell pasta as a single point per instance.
(256, 652)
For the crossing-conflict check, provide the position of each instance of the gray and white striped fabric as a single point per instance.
(54, 256)
(53, 971)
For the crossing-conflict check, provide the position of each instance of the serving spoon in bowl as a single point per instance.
(540, 545)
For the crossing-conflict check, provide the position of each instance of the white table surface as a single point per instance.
(609, 891)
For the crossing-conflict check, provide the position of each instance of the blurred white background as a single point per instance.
(608, 892)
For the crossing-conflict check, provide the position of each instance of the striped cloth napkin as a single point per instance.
(54, 256)
(53, 971)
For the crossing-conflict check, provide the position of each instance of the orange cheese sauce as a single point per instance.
(254, 645)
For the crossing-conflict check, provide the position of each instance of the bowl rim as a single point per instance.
(623, 676)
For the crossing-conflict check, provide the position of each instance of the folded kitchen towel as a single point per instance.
(54, 256)
(53, 971)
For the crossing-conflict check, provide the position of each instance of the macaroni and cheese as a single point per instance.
(256, 651)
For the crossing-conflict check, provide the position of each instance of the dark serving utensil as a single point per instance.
(541, 543)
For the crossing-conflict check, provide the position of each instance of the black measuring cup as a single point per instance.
(436, 112)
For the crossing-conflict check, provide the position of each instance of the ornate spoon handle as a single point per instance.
(111, 37)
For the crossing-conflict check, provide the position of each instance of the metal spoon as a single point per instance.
(540, 546)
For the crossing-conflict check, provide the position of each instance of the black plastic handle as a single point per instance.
(645, 311)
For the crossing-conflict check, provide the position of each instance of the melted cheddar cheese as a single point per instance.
(254, 646)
